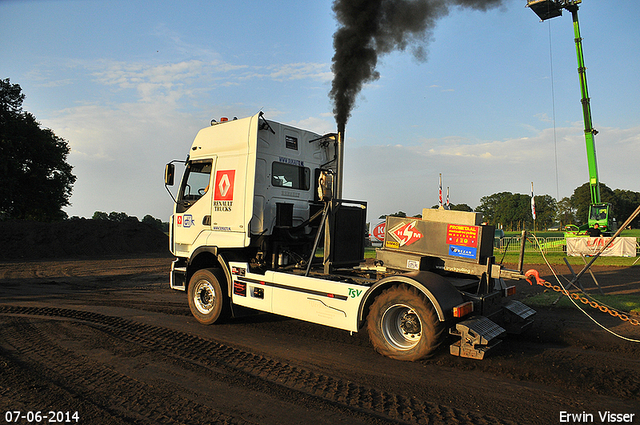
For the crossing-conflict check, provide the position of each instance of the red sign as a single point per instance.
(461, 235)
(406, 234)
(378, 231)
(224, 185)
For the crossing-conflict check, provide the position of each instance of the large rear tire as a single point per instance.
(403, 325)
(207, 300)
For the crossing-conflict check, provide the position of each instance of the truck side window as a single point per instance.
(290, 176)
(196, 182)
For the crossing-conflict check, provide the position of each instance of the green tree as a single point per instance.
(625, 203)
(398, 214)
(121, 217)
(566, 213)
(461, 207)
(581, 199)
(489, 206)
(36, 179)
(156, 223)
(514, 211)
(99, 215)
(454, 207)
(546, 211)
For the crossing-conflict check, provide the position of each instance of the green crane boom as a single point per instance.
(589, 131)
(599, 212)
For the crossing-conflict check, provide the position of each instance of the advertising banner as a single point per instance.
(621, 247)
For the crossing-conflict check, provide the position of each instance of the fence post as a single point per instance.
(523, 240)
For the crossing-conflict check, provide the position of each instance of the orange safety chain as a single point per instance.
(603, 308)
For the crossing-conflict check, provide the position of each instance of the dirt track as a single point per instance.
(108, 339)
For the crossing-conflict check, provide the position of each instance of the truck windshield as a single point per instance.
(195, 182)
(598, 212)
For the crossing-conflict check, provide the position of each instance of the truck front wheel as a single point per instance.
(403, 325)
(207, 300)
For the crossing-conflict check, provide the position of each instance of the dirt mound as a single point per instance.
(78, 238)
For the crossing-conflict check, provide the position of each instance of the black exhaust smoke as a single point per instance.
(369, 28)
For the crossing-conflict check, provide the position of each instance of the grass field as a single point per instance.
(558, 257)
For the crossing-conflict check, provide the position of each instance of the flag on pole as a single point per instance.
(448, 204)
(533, 203)
(440, 191)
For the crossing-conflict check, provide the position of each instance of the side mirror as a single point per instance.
(169, 173)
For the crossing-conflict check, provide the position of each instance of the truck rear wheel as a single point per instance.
(403, 325)
(207, 300)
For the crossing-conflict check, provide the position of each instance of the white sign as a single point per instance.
(621, 247)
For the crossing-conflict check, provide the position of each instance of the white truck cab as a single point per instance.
(236, 174)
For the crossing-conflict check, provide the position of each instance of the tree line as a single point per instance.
(512, 211)
(121, 217)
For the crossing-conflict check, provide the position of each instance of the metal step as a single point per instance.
(477, 336)
(517, 317)
(519, 309)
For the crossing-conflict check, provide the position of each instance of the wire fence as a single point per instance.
(551, 244)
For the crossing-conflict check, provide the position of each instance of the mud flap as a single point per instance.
(178, 275)
(477, 336)
(517, 317)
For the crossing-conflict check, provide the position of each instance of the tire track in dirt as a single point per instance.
(585, 371)
(83, 379)
(24, 385)
(281, 378)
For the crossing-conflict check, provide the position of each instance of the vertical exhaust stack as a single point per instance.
(329, 217)
(339, 163)
(344, 221)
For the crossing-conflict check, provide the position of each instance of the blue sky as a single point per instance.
(129, 83)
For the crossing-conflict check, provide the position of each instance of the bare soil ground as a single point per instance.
(107, 338)
(84, 331)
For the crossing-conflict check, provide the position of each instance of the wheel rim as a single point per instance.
(401, 327)
(204, 297)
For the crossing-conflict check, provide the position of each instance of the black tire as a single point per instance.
(207, 300)
(403, 325)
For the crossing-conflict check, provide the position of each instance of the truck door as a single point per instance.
(193, 209)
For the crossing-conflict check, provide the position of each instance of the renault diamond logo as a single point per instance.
(224, 185)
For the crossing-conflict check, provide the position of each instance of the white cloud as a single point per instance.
(318, 125)
(173, 81)
(543, 117)
(118, 155)
(297, 71)
(287, 72)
